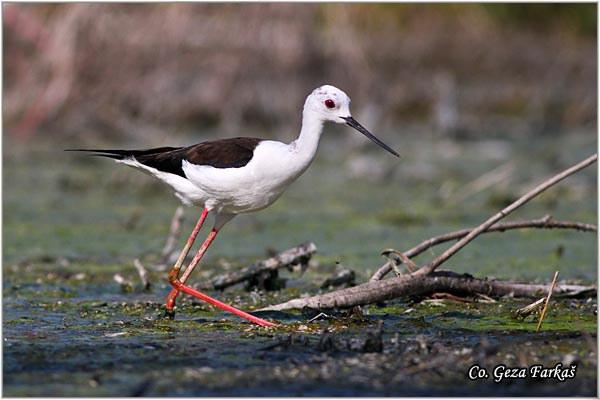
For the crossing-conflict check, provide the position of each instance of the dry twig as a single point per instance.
(143, 274)
(546, 222)
(174, 234)
(410, 265)
(547, 301)
(124, 282)
(429, 268)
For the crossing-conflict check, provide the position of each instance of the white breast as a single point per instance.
(252, 187)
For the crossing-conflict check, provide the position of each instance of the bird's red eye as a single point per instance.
(329, 103)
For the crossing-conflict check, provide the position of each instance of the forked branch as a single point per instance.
(429, 268)
(419, 286)
(426, 279)
(546, 222)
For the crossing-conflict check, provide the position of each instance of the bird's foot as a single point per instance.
(169, 314)
(171, 298)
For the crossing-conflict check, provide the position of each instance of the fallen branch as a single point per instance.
(144, 276)
(299, 255)
(342, 277)
(125, 283)
(529, 309)
(424, 280)
(546, 223)
(429, 268)
(421, 286)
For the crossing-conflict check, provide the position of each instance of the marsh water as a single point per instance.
(71, 222)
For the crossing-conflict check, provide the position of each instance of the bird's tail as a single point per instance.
(122, 154)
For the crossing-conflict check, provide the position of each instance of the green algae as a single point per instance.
(111, 349)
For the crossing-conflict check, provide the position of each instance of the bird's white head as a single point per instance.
(328, 103)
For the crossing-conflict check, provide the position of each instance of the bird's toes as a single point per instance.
(169, 314)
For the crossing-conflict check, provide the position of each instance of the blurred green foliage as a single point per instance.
(580, 17)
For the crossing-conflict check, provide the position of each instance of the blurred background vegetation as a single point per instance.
(148, 73)
(481, 101)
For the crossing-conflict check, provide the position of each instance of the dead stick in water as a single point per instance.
(296, 255)
(529, 309)
(143, 274)
(438, 281)
(174, 234)
(547, 301)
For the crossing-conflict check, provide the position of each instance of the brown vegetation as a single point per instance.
(127, 71)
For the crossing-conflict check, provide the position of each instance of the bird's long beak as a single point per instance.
(353, 123)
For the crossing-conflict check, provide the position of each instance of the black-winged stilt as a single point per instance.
(233, 176)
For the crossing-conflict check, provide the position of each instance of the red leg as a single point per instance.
(175, 271)
(211, 236)
(178, 285)
(226, 307)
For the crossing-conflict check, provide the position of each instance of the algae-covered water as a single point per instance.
(71, 222)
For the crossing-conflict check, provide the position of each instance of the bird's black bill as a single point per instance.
(353, 123)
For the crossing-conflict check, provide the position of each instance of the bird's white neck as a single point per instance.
(305, 147)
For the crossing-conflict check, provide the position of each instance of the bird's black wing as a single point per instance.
(225, 153)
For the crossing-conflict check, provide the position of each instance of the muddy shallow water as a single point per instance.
(70, 330)
(122, 347)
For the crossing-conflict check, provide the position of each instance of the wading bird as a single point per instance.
(239, 175)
